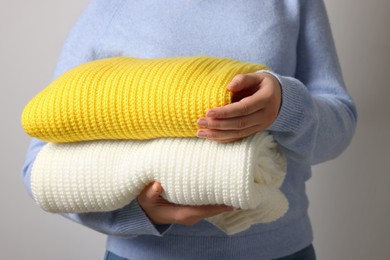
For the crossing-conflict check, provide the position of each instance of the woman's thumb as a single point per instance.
(154, 190)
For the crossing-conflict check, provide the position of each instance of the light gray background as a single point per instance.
(350, 196)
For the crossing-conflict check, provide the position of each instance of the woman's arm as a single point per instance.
(317, 117)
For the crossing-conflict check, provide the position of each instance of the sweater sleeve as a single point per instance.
(82, 46)
(318, 117)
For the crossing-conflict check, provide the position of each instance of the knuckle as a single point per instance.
(178, 217)
(244, 110)
(214, 124)
(212, 135)
(240, 78)
(242, 124)
(241, 133)
(224, 113)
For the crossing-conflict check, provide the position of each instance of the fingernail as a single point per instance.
(211, 114)
(202, 122)
(201, 134)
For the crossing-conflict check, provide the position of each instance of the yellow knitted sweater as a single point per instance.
(131, 98)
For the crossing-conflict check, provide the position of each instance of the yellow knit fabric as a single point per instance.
(131, 98)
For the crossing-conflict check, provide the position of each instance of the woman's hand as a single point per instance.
(160, 211)
(256, 103)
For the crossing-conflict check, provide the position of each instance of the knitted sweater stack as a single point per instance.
(104, 120)
(315, 124)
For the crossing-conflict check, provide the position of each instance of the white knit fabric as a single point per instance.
(107, 175)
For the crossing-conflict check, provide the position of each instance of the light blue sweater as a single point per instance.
(316, 121)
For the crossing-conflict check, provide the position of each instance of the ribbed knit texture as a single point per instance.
(107, 175)
(131, 98)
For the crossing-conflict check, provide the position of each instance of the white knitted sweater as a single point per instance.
(107, 175)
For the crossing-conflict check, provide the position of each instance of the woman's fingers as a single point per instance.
(161, 211)
(232, 123)
(189, 215)
(224, 135)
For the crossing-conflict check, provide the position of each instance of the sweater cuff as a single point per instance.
(133, 220)
(291, 114)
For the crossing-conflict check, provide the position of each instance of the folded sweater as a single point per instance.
(107, 175)
(131, 98)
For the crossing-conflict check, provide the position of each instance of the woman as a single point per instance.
(303, 102)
